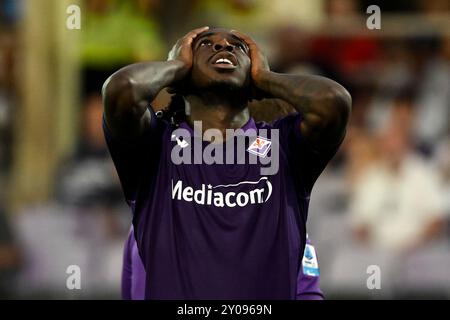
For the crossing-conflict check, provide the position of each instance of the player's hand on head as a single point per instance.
(182, 50)
(257, 57)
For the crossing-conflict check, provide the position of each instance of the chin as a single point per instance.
(227, 84)
(220, 84)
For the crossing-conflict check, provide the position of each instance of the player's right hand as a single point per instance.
(182, 50)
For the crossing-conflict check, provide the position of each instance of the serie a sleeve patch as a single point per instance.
(309, 262)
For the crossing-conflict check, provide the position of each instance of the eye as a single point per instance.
(241, 46)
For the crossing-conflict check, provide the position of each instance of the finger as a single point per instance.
(174, 47)
(177, 44)
(173, 51)
(244, 37)
(188, 39)
(194, 33)
(200, 30)
(252, 45)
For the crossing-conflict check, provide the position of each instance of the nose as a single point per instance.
(223, 44)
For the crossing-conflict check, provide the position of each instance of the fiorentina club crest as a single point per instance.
(260, 146)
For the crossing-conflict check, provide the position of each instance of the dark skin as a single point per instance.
(219, 92)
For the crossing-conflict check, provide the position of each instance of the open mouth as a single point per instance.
(222, 61)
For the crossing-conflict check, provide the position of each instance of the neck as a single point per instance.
(218, 112)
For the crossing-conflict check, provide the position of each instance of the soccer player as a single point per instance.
(133, 273)
(220, 230)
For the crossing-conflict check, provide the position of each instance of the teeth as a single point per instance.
(223, 60)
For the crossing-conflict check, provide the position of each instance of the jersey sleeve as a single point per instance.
(308, 287)
(308, 279)
(135, 159)
(305, 160)
(127, 267)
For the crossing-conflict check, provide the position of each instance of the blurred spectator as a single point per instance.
(292, 48)
(339, 9)
(430, 7)
(116, 33)
(398, 201)
(88, 217)
(394, 75)
(432, 58)
(10, 11)
(442, 160)
(7, 102)
(360, 153)
(345, 58)
(87, 178)
(9, 257)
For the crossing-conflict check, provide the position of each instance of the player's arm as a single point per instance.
(324, 104)
(128, 92)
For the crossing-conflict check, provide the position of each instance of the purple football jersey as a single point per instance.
(218, 231)
(133, 272)
(133, 276)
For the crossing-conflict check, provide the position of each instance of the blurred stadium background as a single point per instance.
(384, 200)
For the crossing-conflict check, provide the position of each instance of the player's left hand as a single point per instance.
(258, 59)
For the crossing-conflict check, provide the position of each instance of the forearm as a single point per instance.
(324, 104)
(128, 92)
(305, 93)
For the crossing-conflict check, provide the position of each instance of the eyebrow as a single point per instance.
(204, 35)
